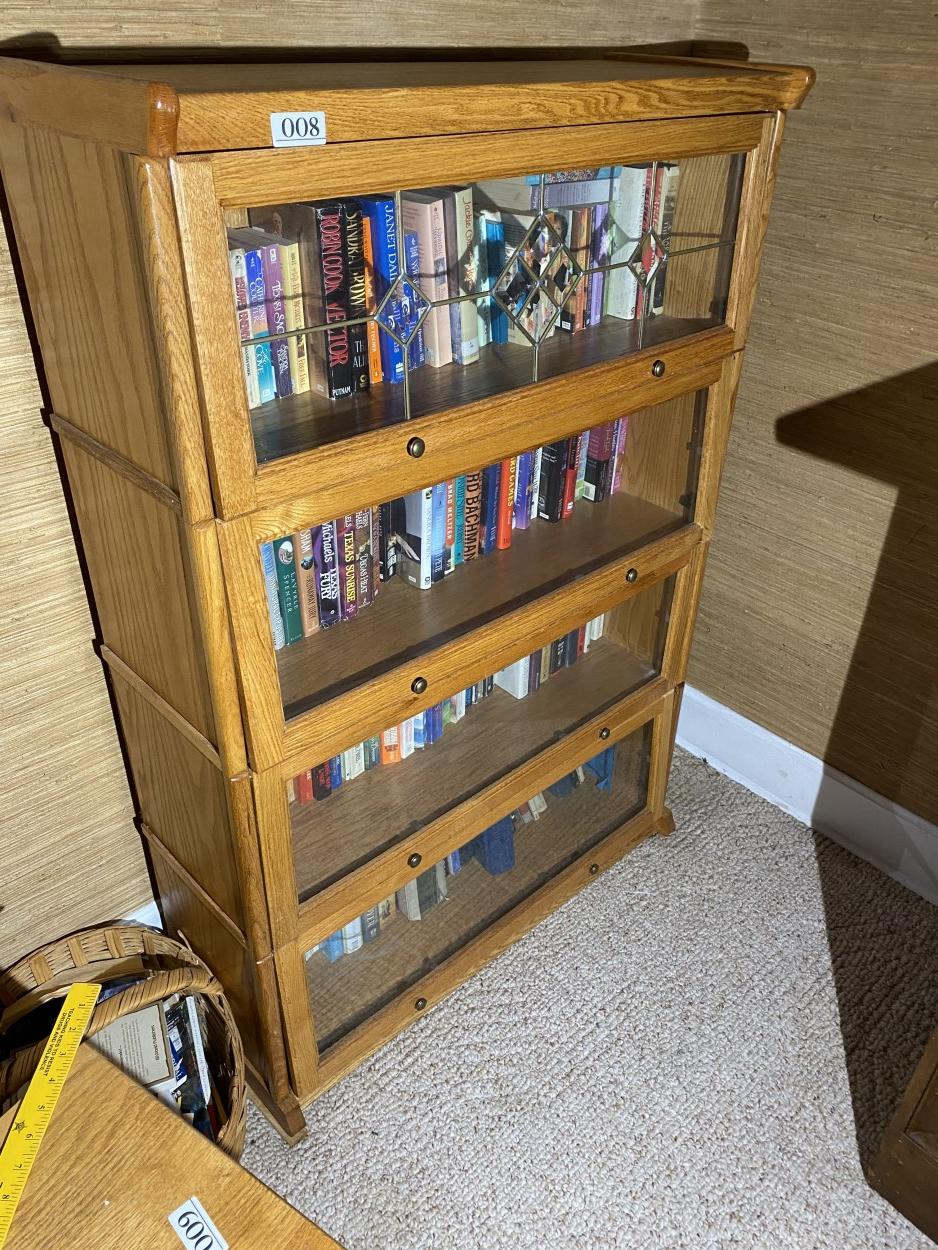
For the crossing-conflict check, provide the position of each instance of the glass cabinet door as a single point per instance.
(359, 312)
(347, 809)
(376, 956)
(357, 595)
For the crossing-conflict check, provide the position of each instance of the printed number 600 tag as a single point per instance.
(194, 1228)
(297, 130)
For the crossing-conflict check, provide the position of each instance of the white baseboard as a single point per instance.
(892, 838)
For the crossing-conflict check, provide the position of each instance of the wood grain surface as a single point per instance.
(818, 612)
(89, 1189)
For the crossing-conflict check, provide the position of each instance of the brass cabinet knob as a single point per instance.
(632, 575)
(420, 1004)
(604, 733)
(658, 368)
(416, 447)
(594, 869)
(418, 685)
(413, 861)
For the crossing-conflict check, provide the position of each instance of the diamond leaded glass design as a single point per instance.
(539, 276)
(403, 310)
(647, 258)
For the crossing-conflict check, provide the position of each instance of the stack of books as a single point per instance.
(420, 732)
(328, 573)
(330, 264)
(493, 849)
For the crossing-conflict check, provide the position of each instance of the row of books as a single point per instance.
(331, 263)
(328, 573)
(417, 733)
(493, 849)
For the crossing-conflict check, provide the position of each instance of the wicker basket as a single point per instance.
(162, 966)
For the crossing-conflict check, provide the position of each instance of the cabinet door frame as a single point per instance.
(204, 186)
(313, 1073)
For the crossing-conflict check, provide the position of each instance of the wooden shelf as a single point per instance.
(404, 622)
(303, 422)
(347, 992)
(385, 805)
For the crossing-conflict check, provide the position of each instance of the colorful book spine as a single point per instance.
(333, 947)
(449, 539)
(322, 785)
(405, 737)
(287, 590)
(459, 521)
(438, 533)
(523, 486)
(390, 526)
(269, 569)
(390, 747)
(364, 564)
(383, 217)
(304, 543)
(506, 503)
(481, 262)
(326, 562)
(239, 286)
(348, 585)
(304, 787)
(494, 242)
(276, 318)
(335, 772)
(569, 476)
(266, 377)
(410, 305)
(599, 462)
(581, 456)
(375, 550)
(354, 240)
(472, 526)
(618, 460)
(621, 288)
(371, 303)
(334, 287)
(650, 208)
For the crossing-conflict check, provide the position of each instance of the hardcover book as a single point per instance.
(381, 212)
(357, 304)
(423, 215)
(416, 543)
(326, 562)
(304, 542)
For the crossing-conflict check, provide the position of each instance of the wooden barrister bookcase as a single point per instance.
(121, 182)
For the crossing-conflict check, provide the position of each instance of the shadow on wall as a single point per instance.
(884, 939)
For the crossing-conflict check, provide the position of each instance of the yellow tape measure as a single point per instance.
(32, 1117)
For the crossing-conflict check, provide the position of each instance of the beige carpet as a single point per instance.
(695, 1052)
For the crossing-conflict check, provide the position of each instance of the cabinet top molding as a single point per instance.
(165, 110)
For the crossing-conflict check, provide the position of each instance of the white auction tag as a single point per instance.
(194, 1228)
(297, 130)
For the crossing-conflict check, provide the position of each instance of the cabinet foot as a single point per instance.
(285, 1114)
(664, 824)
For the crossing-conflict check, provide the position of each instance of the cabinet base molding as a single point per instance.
(285, 1115)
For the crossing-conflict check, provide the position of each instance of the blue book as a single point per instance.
(602, 767)
(453, 863)
(460, 488)
(266, 373)
(494, 244)
(387, 266)
(438, 533)
(470, 696)
(272, 591)
(436, 719)
(335, 774)
(491, 476)
(494, 847)
(332, 947)
(522, 504)
(409, 313)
